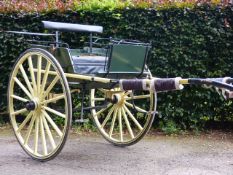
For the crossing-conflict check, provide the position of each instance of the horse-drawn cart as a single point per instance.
(122, 91)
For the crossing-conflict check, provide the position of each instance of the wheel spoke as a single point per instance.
(26, 79)
(102, 110)
(108, 116)
(44, 146)
(36, 135)
(136, 107)
(54, 112)
(51, 86)
(19, 98)
(23, 87)
(19, 111)
(113, 122)
(98, 99)
(49, 132)
(32, 74)
(55, 127)
(54, 99)
(30, 129)
(120, 124)
(103, 90)
(133, 118)
(137, 97)
(39, 73)
(127, 123)
(24, 122)
(45, 76)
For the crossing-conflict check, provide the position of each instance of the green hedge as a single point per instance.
(186, 42)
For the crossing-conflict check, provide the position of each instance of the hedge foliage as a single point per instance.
(29, 6)
(186, 42)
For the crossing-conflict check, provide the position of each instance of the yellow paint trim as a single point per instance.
(184, 81)
(81, 77)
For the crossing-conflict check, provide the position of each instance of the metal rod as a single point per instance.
(30, 33)
(57, 38)
(91, 38)
(82, 103)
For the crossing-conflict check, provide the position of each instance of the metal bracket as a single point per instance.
(82, 120)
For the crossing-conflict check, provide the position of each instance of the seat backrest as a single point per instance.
(127, 58)
(69, 27)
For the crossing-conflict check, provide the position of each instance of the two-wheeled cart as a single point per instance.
(122, 91)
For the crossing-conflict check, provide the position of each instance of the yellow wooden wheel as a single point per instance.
(39, 104)
(126, 117)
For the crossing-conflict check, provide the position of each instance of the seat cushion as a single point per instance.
(88, 64)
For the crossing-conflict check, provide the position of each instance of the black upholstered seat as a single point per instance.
(68, 27)
(89, 64)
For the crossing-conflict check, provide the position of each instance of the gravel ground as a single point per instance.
(206, 154)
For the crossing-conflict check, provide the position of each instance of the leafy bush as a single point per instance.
(62, 5)
(30, 6)
(194, 42)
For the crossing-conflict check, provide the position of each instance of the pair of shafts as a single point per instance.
(224, 83)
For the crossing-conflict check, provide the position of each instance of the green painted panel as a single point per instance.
(127, 58)
(61, 54)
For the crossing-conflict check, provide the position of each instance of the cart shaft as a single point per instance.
(155, 84)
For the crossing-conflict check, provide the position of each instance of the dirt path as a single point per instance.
(157, 155)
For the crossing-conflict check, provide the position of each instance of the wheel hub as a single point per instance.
(118, 99)
(31, 105)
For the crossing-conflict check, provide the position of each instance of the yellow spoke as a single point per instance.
(108, 116)
(23, 87)
(39, 74)
(127, 123)
(44, 146)
(54, 112)
(32, 74)
(102, 110)
(36, 135)
(19, 111)
(113, 122)
(98, 99)
(133, 118)
(25, 122)
(137, 97)
(26, 79)
(19, 98)
(52, 84)
(45, 76)
(120, 124)
(136, 107)
(102, 90)
(54, 99)
(30, 129)
(49, 132)
(52, 123)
